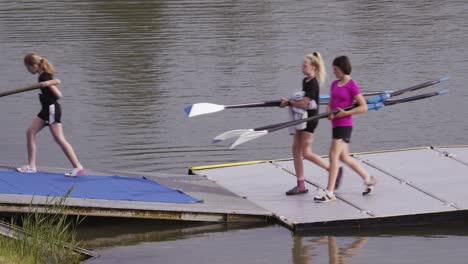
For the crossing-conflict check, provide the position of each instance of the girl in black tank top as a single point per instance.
(50, 115)
(314, 70)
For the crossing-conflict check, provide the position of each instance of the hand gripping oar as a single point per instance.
(30, 87)
(250, 134)
(208, 108)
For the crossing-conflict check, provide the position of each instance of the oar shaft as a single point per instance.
(257, 104)
(323, 98)
(279, 126)
(276, 127)
(419, 86)
(412, 98)
(22, 89)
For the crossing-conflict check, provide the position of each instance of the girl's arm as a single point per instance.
(361, 101)
(51, 82)
(330, 117)
(55, 91)
(304, 103)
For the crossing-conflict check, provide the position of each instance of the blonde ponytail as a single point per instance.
(317, 61)
(35, 59)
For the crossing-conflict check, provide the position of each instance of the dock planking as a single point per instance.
(415, 186)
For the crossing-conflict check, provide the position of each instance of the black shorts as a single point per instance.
(311, 126)
(51, 114)
(343, 132)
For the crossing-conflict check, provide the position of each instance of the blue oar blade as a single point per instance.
(443, 92)
(187, 110)
(324, 97)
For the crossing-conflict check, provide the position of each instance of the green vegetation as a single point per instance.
(48, 236)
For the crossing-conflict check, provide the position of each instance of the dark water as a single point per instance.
(130, 67)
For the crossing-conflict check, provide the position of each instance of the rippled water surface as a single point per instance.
(130, 67)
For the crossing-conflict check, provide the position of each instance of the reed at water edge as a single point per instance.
(48, 235)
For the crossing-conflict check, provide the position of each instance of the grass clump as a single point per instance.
(48, 235)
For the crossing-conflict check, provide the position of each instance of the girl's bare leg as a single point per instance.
(36, 126)
(353, 163)
(306, 145)
(297, 155)
(57, 132)
(336, 149)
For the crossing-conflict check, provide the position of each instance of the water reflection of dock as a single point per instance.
(416, 186)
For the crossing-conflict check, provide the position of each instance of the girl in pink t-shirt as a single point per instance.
(344, 92)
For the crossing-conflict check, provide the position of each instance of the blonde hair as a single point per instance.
(35, 59)
(317, 61)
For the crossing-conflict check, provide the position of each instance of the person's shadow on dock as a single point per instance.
(304, 253)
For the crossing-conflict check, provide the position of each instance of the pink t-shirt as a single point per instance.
(342, 96)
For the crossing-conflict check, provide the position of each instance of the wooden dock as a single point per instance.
(423, 185)
(218, 205)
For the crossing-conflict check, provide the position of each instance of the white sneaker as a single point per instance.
(75, 172)
(325, 197)
(26, 169)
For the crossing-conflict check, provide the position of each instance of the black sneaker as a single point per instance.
(369, 186)
(338, 178)
(295, 191)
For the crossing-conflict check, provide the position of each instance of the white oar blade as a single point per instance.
(230, 134)
(247, 137)
(202, 108)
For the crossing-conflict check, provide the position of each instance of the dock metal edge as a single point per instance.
(137, 213)
(382, 222)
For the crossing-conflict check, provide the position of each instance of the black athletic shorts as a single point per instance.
(343, 132)
(311, 126)
(51, 114)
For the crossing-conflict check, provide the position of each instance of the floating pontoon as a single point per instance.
(415, 186)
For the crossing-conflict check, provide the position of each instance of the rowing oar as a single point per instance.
(208, 108)
(375, 99)
(30, 87)
(251, 134)
(374, 103)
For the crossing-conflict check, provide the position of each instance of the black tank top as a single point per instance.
(312, 90)
(47, 97)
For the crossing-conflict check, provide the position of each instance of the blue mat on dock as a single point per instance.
(91, 187)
